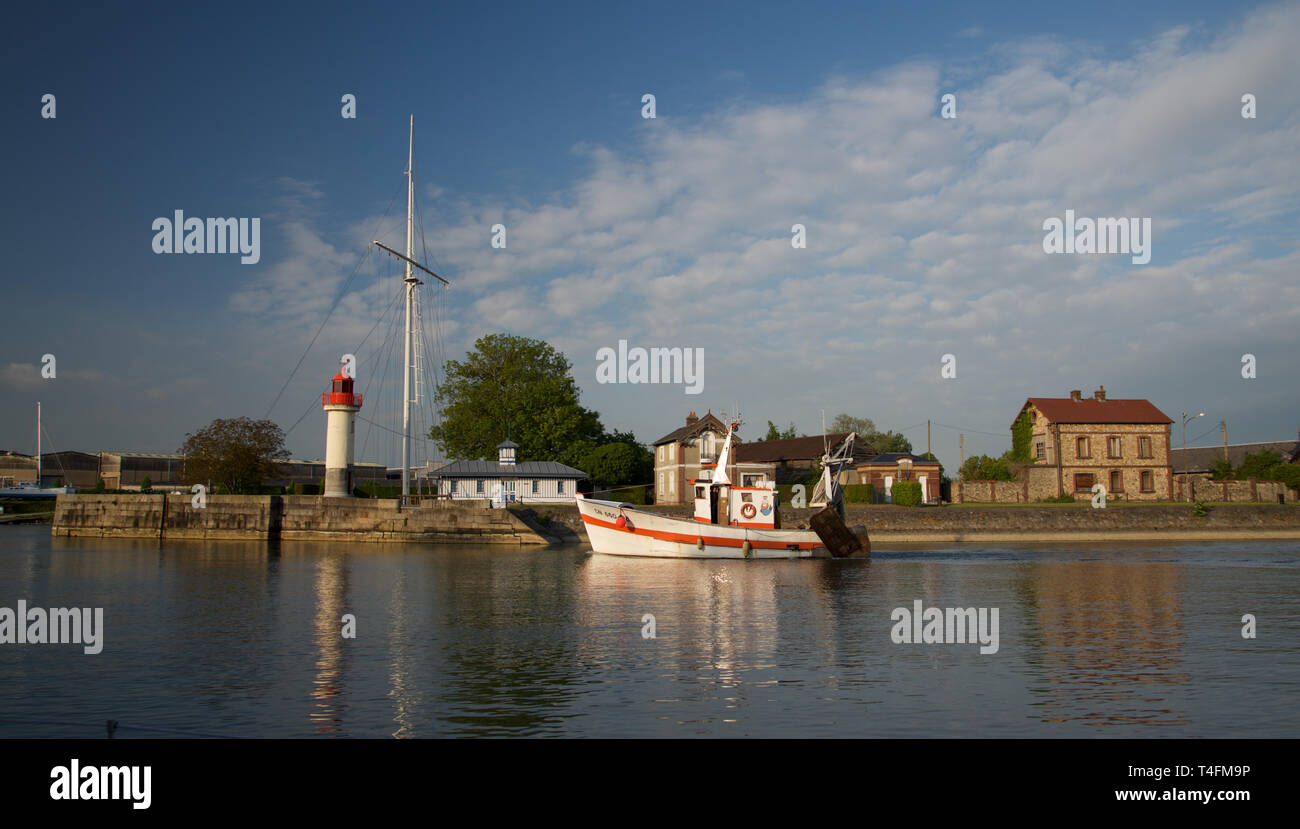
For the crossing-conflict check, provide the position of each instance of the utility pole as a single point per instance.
(927, 437)
(962, 438)
(1224, 424)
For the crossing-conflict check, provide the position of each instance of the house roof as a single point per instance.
(1091, 410)
(492, 469)
(707, 423)
(1203, 458)
(801, 449)
(892, 459)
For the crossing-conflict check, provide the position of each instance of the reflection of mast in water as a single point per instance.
(401, 690)
(1111, 637)
(331, 588)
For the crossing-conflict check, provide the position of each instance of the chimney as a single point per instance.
(691, 419)
(1100, 393)
(1076, 395)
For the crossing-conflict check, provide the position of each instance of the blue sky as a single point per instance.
(924, 234)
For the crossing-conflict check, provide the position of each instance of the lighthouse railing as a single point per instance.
(330, 398)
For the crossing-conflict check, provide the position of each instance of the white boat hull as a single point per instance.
(645, 533)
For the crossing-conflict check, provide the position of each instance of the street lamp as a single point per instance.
(1187, 419)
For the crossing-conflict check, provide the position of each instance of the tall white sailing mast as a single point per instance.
(411, 283)
(411, 286)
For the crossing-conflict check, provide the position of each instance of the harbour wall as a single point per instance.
(306, 517)
(903, 525)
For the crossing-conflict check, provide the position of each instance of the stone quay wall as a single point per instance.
(274, 517)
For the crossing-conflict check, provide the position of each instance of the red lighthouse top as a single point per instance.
(340, 393)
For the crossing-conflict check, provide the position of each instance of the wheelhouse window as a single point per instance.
(1083, 450)
(750, 480)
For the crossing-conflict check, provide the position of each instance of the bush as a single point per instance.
(858, 493)
(1200, 510)
(907, 493)
(1063, 498)
(99, 486)
(146, 485)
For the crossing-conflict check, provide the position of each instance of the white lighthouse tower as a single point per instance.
(340, 404)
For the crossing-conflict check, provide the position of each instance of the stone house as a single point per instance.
(1077, 442)
(691, 451)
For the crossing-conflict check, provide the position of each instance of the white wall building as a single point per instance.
(507, 480)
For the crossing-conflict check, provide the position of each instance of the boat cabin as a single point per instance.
(737, 506)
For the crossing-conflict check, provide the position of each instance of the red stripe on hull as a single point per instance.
(714, 541)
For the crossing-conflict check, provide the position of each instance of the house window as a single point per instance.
(1113, 447)
(1040, 451)
(536, 486)
(1116, 481)
(661, 482)
(452, 490)
(561, 487)
(1144, 447)
(1148, 481)
(479, 487)
(1083, 482)
(1083, 450)
(706, 445)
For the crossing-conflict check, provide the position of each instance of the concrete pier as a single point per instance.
(274, 517)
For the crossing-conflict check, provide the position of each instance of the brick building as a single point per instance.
(883, 470)
(1078, 442)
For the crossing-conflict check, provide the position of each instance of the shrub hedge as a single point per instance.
(907, 493)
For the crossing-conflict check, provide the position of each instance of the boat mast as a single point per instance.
(38, 443)
(410, 283)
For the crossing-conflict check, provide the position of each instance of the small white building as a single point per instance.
(507, 480)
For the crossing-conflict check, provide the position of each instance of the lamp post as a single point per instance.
(1187, 419)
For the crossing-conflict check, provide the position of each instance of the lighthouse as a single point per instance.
(340, 404)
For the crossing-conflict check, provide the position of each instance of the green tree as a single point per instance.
(518, 387)
(1287, 473)
(1222, 470)
(1257, 464)
(774, 433)
(617, 464)
(880, 442)
(847, 423)
(146, 485)
(99, 485)
(985, 468)
(235, 453)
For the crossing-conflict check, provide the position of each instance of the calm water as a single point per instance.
(1119, 640)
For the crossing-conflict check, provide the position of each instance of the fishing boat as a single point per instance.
(730, 521)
